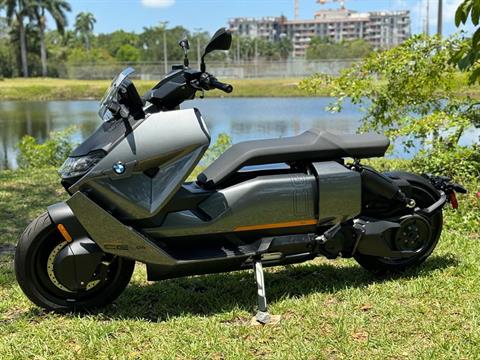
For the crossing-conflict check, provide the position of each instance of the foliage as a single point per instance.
(57, 10)
(127, 53)
(321, 48)
(52, 152)
(223, 142)
(7, 61)
(77, 56)
(119, 39)
(406, 91)
(468, 55)
(152, 42)
(244, 48)
(460, 162)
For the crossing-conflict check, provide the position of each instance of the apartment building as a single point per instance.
(382, 29)
(266, 28)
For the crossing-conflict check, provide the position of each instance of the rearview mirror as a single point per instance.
(221, 40)
(185, 45)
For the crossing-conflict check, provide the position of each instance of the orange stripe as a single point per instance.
(276, 225)
(64, 232)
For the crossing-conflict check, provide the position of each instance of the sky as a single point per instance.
(209, 15)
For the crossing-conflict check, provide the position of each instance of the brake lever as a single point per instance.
(196, 85)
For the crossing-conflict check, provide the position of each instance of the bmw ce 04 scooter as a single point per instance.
(261, 203)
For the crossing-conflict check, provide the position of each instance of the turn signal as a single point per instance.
(64, 232)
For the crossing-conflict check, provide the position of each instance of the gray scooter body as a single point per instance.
(269, 213)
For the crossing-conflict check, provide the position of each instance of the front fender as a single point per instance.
(61, 213)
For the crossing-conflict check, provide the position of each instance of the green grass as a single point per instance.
(329, 309)
(61, 89)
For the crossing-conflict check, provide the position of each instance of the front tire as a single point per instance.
(424, 195)
(33, 259)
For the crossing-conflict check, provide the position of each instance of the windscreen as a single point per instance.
(110, 97)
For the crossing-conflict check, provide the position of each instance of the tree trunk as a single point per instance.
(43, 50)
(23, 46)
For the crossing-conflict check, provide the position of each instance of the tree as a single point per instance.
(115, 40)
(408, 92)
(79, 57)
(57, 9)
(468, 55)
(84, 24)
(127, 53)
(151, 40)
(265, 49)
(284, 47)
(6, 58)
(17, 11)
(324, 48)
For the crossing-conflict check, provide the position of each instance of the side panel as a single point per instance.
(265, 202)
(158, 155)
(339, 192)
(112, 236)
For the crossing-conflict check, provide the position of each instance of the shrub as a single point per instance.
(461, 162)
(52, 152)
(222, 143)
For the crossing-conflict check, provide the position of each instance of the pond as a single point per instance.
(241, 118)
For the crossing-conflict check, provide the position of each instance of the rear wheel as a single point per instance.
(424, 195)
(34, 258)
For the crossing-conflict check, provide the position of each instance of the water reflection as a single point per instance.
(38, 119)
(242, 118)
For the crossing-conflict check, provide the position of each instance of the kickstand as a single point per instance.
(262, 316)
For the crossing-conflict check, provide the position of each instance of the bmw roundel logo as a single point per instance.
(119, 168)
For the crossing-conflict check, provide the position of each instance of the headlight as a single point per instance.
(77, 166)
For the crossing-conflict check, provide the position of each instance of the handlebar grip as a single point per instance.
(221, 86)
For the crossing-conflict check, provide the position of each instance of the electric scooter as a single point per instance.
(261, 203)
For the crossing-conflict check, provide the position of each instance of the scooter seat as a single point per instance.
(312, 145)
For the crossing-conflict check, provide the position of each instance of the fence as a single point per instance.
(232, 70)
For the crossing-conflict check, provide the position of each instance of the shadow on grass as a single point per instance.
(219, 293)
(24, 198)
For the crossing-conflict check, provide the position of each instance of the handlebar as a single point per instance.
(221, 86)
(208, 82)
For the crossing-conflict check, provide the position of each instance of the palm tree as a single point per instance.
(18, 10)
(84, 23)
(57, 9)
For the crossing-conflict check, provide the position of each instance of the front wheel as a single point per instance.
(424, 195)
(34, 257)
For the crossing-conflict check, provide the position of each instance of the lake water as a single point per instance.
(241, 118)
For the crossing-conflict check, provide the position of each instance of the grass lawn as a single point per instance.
(62, 89)
(329, 309)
